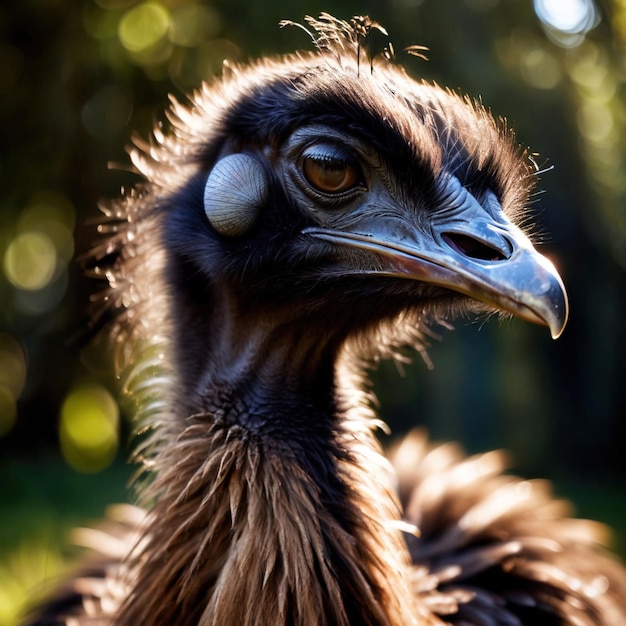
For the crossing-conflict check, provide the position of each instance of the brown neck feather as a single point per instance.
(241, 534)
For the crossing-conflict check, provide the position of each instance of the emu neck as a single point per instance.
(271, 504)
(270, 371)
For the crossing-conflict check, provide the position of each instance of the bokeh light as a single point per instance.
(566, 22)
(570, 16)
(38, 249)
(30, 261)
(179, 42)
(144, 26)
(88, 428)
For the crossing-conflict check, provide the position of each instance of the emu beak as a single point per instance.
(470, 252)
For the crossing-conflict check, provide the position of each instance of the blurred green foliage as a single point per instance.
(79, 77)
(42, 501)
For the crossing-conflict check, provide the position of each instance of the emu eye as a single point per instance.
(329, 169)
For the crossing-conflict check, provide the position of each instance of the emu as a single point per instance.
(304, 217)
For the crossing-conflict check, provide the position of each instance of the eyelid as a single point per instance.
(328, 153)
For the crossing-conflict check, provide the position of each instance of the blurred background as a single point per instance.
(79, 77)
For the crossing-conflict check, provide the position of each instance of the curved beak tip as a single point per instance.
(557, 322)
(557, 327)
(549, 303)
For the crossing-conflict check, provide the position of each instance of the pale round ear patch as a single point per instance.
(234, 194)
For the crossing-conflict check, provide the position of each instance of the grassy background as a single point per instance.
(42, 499)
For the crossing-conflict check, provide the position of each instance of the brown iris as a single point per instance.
(329, 169)
(330, 176)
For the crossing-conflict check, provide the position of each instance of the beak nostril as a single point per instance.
(473, 248)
